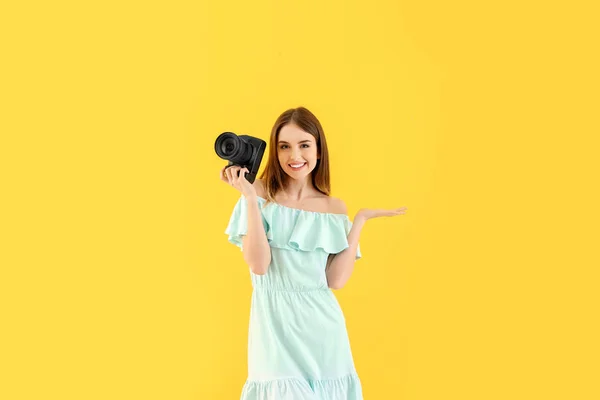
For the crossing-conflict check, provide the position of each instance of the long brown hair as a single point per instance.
(274, 177)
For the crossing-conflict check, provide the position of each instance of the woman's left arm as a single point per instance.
(340, 266)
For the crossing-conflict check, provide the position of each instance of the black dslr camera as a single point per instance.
(243, 150)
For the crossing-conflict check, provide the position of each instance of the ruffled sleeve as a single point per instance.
(238, 222)
(300, 230)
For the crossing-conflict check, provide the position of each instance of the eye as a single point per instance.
(306, 146)
(283, 146)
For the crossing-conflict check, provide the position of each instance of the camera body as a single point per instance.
(243, 150)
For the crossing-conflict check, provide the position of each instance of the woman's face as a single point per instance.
(296, 151)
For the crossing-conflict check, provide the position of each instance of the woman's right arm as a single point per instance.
(256, 249)
(255, 246)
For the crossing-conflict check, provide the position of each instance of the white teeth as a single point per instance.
(297, 165)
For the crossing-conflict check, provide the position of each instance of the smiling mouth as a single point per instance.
(296, 167)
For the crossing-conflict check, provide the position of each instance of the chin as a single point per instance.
(300, 175)
(295, 175)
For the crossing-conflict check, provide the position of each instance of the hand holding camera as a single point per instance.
(236, 177)
(244, 154)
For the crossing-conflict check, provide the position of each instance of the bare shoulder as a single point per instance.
(259, 185)
(337, 206)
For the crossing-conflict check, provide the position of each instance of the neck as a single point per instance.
(298, 190)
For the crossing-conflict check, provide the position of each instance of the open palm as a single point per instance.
(368, 213)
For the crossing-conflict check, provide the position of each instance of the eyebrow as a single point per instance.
(302, 141)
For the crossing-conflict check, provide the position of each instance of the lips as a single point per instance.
(297, 166)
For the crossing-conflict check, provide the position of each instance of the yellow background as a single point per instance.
(117, 281)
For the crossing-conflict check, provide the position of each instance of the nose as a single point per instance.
(295, 154)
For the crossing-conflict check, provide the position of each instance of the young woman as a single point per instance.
(299, 244)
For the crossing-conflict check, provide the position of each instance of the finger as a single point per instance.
(243, 173)
(235, 175)
(222, 174)
(390, 213)
(229, 176)
(397, 211)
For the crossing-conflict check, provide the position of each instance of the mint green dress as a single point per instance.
(298, 347)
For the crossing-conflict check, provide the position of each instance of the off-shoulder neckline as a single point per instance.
(305, 211)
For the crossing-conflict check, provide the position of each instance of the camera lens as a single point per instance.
(231, 147)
